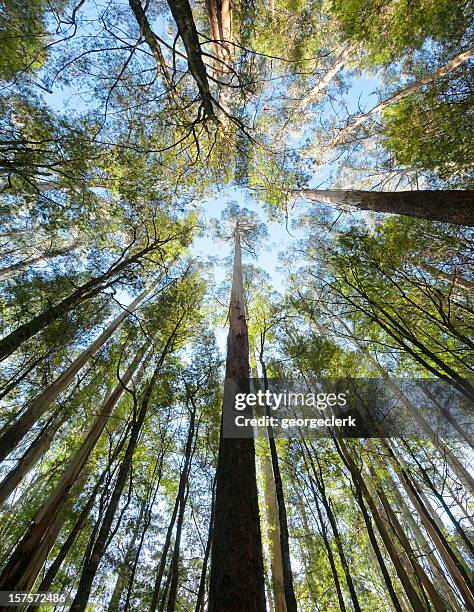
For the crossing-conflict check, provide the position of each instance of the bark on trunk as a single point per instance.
(284, 548)
(356, 474)
(12, 341)
(11, 435)
(455, 279)
(207, 552)
(36, 450)
(183, 16)
(236, 557)
(22, 265)
(446, 206)
(100, 545)
(23, 566)
(182, 498)
(426, 80)
(152, 42)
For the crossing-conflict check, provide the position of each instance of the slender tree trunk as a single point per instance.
(321, 85)
(152, 42)
(11, 435)
(124, 567)
(410, 591)
(424, 547)
(273, 528)
(329, 552)
(431, 591)
(456, 279)
(409, 89)
(35, 451)
(21, 570)
(207, 552)
(100, 545)
(284, 547)
(454, 463)
(26, 263)
(332, 520)
(183, 16)
(446, 206)
(98, 549)
(435, 532)
(182, 498)
(13, 341)
(236, 557)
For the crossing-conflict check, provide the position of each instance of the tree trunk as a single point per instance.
(409, 89)
(236, 557)
(26, 263)
(273, 529)
(182, 498)
(35, 451)
(124, 568)
(455, 279)
(410, 591)
(445, 206)
(11, 435)
(453, 462)
(183, 16)
(431, 591)
(459, 575)
(423, 545)
(152, 42)
(332, 520)
(100, 545)
(12, 341)
(207, 552)
(20, 572)
(284, 547)
(321, 85)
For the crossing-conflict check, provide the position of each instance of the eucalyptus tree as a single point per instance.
(236, 541)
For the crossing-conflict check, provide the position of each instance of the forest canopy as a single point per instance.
(218, 199)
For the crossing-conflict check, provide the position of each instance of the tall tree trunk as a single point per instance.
(327, 546)
(236, 557)
(431, 591)
(446, 206)
(435, 531)
(92, 288)
(183, 16)
(124, 567)
(423, 545)
(219, 13)
(332, 520)
(35, 451)
(273, 528)
(409, 89)
(100, 545)
(26, 263)
(21, 570)
(11, 435)
(290, 598)
(356, 474)
(453, 462)
(207, 552)
(456, 279)
(182, 498)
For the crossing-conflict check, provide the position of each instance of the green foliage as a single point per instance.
(393, 29)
